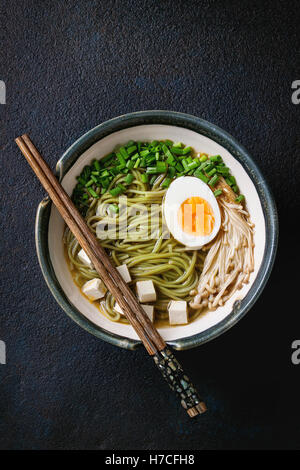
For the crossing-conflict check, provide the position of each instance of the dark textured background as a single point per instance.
(70, 65)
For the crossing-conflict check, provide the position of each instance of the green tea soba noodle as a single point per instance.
(147, 252)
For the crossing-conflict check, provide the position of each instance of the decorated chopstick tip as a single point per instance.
(179, 382)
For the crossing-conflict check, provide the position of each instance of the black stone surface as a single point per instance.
(69, 66)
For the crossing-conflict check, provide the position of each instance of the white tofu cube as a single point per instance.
(146, 291)
(94, 289)
(124, 272)
(118, 308)
(178, 312)
(149, 310)
(83, 257)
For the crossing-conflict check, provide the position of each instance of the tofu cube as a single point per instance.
(83, 257)
(94, 289)
(178, 312)
(146, 291)
(118, 308)
(149, 310)
(124, 272)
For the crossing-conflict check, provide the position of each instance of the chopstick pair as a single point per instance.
(153, 342)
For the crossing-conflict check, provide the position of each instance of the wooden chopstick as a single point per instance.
(153, 342)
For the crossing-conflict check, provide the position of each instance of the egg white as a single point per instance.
(179, 190)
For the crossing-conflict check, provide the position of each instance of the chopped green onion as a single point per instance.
(129, 178)
(177, 151)
(143, 163)
(89, 183)
(218, 192)
(211, 172)
(144, 178)
(187, 150)
(214, 180)
(86, 172)
(123, 152)
(203, 158)
(216, 158)
(201, 176)
(240, 198)
(208, 167)
(232, 179)
(185, 164)
(92, 192)
(81, 180)
(151, 170)
(104, 182)
(114, 171)
(171, 171)
(121, 186)
(235, 188)
(116, 191)
(131, 149)
(120, 167)
(97, 165)
(167, 153)
(130, 164)
(108, 158)
(224, 170)
(129, 144)
(193, 165)
(150, 159)
(137, 163)
(121, 158)
(171, 160)
(166, 183)
(179, 167)
(202, 166)
(161, 167)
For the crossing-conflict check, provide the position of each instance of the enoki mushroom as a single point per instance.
(230, 258)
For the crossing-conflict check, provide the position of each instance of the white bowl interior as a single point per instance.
(148, 133)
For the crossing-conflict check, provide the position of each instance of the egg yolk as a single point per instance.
(196, 217)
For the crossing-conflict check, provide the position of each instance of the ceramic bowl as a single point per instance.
(202, 136)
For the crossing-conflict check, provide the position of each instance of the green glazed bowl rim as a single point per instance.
(200, 126)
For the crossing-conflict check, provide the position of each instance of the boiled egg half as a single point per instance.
(191, 212)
